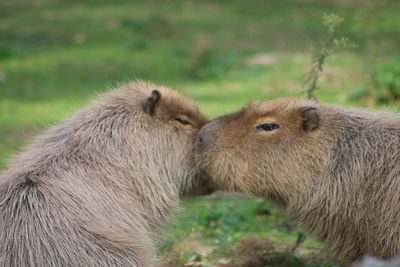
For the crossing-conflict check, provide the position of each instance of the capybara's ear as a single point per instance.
(309, 117)
(150, 103)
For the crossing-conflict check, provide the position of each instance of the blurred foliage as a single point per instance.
(383, 84)
(207, 63)
(156, 25)
(9, 50)
(385, 81)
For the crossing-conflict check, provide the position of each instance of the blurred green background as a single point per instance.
(57, 55)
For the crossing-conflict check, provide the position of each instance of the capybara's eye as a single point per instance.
(267, 127)
(184, 122)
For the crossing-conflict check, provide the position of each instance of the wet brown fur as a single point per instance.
(96, 189)
(335, 171)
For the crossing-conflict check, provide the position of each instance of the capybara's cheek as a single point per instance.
(184, 140)
(188, 136)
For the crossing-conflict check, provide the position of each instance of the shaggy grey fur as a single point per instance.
(96, 189)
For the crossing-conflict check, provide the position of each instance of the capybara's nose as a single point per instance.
(200, 141)
(206, 136)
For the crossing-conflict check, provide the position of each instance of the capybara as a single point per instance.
(96, 189)
(334, 170)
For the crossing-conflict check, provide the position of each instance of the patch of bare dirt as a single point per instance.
(264, 59)
(254, 252)
(188, 253)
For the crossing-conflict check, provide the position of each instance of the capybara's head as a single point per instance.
(152, 130)
(161, 133)
(262, 149)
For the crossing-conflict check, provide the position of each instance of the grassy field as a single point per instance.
(57, 55)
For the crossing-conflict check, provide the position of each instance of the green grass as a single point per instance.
(57, 55)
(211, 230)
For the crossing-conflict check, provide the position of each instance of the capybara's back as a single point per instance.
(39, 228)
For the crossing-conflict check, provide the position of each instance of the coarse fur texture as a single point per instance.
(96, 189)
(334, 170)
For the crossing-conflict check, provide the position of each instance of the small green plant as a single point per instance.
(328, 47)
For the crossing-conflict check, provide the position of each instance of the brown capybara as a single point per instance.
(334, 170)
(96, 189)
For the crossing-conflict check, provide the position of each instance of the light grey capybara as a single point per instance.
(334, 170)
(96, 189)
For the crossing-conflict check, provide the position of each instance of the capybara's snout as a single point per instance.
(207, 135)
(203, 137)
